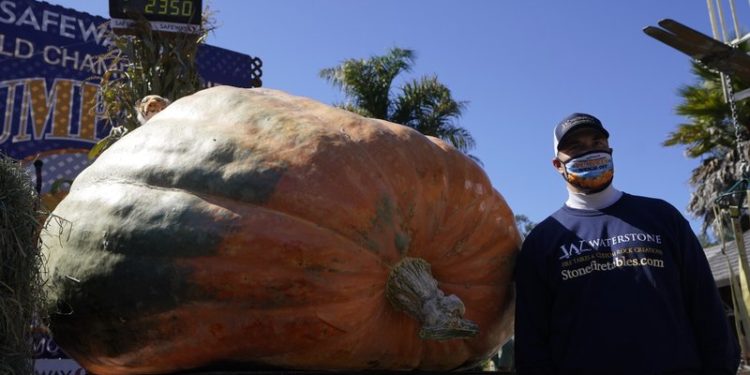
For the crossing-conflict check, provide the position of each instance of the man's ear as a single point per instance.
(558, 165)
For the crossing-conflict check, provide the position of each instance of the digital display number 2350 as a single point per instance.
(179, 11)
(182, 8)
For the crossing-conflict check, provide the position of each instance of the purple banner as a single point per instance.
(49, 67)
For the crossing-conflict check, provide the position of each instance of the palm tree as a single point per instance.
(423, 104)
(710, 136)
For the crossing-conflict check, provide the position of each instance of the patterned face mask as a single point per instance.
(591, 171)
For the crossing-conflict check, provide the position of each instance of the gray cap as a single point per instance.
(576, 121)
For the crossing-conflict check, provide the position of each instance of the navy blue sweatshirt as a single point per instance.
(622, 290)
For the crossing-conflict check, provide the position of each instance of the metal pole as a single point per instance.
(712, 18)
(715, 32)
(722, 26)
(739, 309)
(743, 297)
(734, 20)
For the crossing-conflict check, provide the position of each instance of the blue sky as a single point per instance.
(521, 66)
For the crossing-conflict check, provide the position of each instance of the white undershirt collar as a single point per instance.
(596, 201)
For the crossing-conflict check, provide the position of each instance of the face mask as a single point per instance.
(591, 172)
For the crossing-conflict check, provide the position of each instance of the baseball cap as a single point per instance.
(576, 121)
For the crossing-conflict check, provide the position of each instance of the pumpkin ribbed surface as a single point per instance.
(249, 225)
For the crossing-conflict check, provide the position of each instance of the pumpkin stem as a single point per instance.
(412, 288)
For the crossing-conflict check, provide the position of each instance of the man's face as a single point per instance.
(580, 141)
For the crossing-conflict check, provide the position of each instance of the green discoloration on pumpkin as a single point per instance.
(112, 260)
(104, 303)
(403, 238)
(381, 220)
(384, 218)
(384, 213)
(144, 221)
(369, 243)
(225, 169)
(253, 184)
(402, 241)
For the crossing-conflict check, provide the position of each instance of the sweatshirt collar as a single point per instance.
(596, 201)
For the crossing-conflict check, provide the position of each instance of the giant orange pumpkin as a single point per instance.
(251, 226)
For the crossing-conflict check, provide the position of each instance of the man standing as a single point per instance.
(613, 283)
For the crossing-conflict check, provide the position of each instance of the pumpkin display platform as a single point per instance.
(252, 227)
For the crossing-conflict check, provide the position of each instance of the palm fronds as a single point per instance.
(424, 104)
(710, 135)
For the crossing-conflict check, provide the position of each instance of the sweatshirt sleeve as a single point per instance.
(533, 301)
(717, 346)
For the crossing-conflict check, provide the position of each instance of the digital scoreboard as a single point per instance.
(164, 15)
